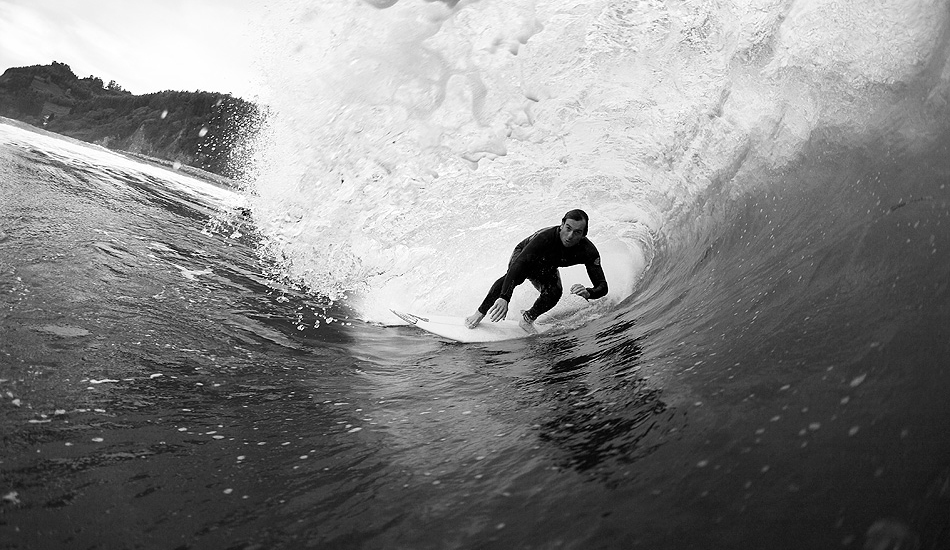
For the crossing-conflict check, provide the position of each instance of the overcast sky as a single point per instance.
(144, 45)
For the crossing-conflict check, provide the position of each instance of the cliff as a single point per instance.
(205, 130)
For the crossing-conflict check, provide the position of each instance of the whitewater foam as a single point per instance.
(412, 146)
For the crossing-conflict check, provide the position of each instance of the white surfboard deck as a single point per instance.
(454, 328)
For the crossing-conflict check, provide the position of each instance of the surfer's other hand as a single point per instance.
(499, 310)
(472, 320)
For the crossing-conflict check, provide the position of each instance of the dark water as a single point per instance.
(779, 380)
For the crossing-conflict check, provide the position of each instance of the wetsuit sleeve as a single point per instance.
(596, 274)
(520, 266)
(517, 273)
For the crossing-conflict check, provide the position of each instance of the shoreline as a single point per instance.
(191, 171)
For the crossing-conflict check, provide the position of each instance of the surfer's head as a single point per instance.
(573, 227)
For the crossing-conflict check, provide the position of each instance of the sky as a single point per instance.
(144, 45)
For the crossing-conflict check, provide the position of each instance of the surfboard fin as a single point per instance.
(408, 317)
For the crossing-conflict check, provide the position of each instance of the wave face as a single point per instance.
(413, 144)
(767, 182)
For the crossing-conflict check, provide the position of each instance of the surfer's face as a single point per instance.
(572, 232)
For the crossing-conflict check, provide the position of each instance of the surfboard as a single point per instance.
(454, 328)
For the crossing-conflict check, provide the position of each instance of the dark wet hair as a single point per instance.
(576, 215)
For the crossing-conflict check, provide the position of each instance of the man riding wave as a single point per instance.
(537, 259)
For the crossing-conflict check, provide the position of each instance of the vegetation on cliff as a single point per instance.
(206, 130)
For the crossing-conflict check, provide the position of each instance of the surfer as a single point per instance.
(537, 259)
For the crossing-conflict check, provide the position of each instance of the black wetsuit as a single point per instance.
(537, 259)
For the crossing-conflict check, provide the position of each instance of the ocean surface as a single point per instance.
(189, 365)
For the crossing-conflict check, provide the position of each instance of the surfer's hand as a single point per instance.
(499, 310)
(581, 291)
(472, 320)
